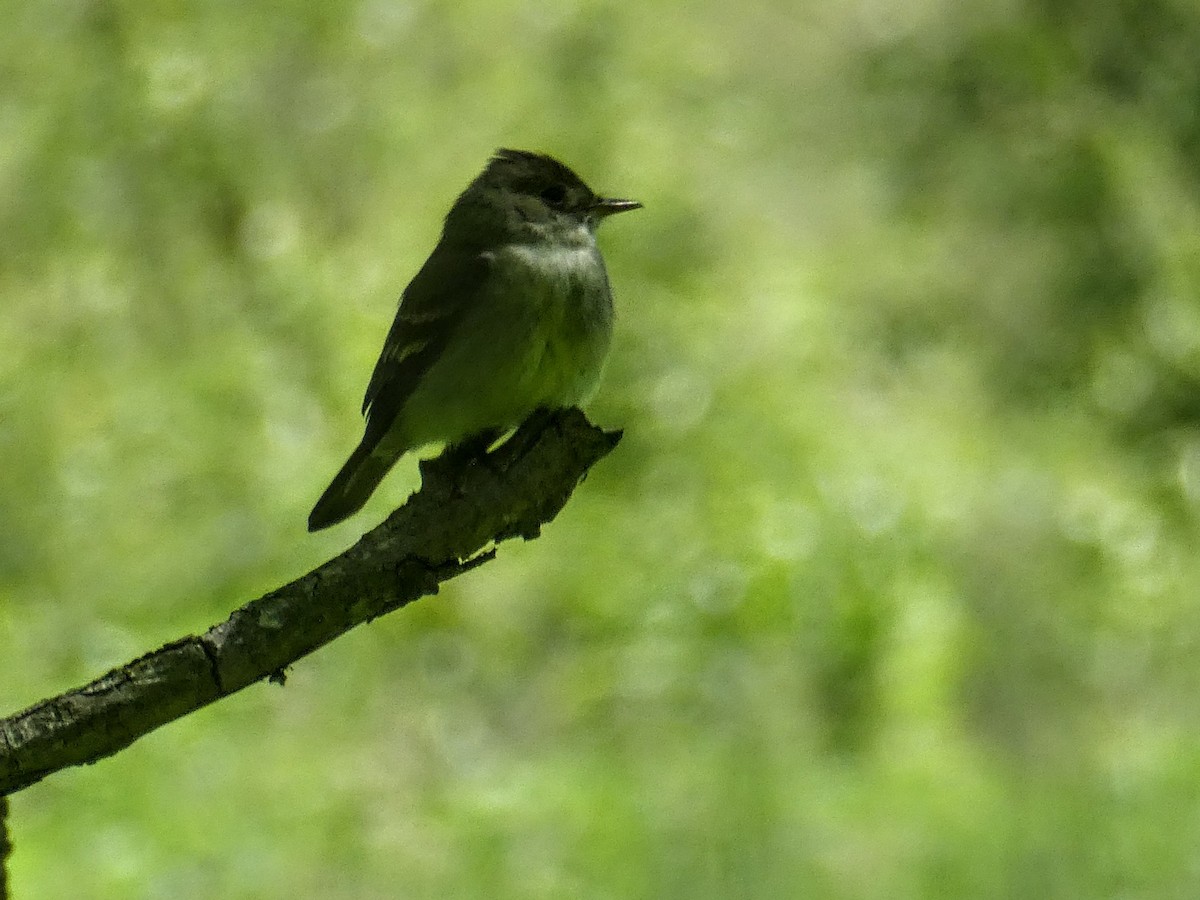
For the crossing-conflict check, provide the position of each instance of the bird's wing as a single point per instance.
(431, 308)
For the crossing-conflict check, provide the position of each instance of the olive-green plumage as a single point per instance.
(512, 312)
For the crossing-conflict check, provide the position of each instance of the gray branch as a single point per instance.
(465, 504)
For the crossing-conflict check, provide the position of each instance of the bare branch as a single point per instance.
(464, 505)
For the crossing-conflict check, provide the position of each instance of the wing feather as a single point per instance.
(431, 309)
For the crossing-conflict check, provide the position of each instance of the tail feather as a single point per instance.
(350, 489)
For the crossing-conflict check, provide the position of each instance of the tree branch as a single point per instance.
(464, 505)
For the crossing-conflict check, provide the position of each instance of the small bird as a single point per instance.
(511, 313)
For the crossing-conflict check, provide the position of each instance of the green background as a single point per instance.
(890, 590)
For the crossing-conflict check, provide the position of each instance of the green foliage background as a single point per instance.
(891, 589)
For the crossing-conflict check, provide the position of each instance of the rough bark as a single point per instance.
(465, 504)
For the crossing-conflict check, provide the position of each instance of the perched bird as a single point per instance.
(511, 313)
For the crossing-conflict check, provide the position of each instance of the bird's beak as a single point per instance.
(606, 207)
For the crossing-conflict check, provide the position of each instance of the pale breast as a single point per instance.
(570, 286)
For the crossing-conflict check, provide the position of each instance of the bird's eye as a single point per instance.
(554, 195)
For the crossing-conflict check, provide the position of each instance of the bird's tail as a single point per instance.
(351, 487)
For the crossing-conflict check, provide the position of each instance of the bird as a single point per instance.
(512, 313)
